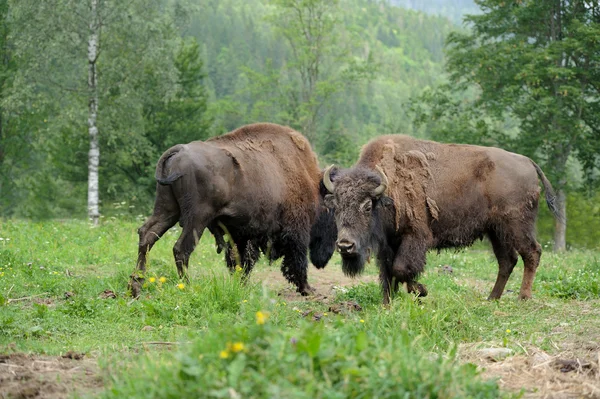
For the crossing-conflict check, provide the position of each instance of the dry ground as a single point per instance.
(48, 377)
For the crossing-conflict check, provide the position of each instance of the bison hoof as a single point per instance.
(307, 290)
(135, 287)
(419, 289)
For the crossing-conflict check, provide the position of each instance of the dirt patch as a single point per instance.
(539, 374)
(324, 281)
(35, 376)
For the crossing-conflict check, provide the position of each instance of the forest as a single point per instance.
(91, 93)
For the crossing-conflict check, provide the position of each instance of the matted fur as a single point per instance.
(259, 184)
(442, 196)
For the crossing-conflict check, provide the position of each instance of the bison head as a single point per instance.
(356, 196)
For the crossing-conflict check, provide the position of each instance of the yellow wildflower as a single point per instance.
(245, 300)
(237, 347)
(261, 317)
(508, 331)
(362, 321)
(181, 286)
(152, 279)
(162, 279)
(238, 269)
(224, 354)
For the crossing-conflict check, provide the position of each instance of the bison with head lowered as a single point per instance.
(405, 196)
(259, 184)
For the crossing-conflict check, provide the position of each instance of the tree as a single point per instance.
(82, 61)
(537, 62)
(320, 64)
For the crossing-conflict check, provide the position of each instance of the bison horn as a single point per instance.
(327, 180)
(384, 182)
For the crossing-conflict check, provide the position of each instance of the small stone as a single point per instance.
(108, 294)
(73, 355)
(540, 358)
(495, 354)
(147, 328)
(445, 269)
(68, 294)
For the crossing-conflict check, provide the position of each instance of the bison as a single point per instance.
(406, 196)
(258, 184)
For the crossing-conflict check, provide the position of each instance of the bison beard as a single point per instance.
(257, 186)
(428, 195)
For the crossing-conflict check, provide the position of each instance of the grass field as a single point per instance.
(68, 328)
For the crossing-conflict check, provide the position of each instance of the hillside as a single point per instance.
(451, 9)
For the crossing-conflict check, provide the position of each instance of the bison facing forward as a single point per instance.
(259, 183)
(406, 196)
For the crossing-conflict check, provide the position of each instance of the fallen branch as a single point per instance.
(26, 297)
(162, 343)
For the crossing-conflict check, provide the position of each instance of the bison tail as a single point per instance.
(161, 166)
(549, 193)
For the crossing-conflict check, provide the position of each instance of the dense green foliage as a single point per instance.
(175, 71)
(158, 87)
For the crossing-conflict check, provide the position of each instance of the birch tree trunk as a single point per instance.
(94, 154)
(560, 227)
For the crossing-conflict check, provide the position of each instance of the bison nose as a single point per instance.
(346, 247)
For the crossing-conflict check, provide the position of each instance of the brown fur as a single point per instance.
(258, 183)
(443, 195)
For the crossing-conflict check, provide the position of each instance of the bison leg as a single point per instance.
(248, 255)
(149, 233)
(531, 251)
(507, 259)
(295, 265)
(185, 246)
(409, 262)
(385, 278)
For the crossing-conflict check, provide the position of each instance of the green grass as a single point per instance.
(407, 350)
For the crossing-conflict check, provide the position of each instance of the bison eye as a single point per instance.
(367, 206)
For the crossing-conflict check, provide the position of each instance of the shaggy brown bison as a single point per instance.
(259, 184)
(406, 196)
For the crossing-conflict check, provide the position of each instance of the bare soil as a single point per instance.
(323, 281)
(36, 376)
(541, 376)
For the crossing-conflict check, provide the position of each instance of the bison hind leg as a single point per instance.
(149, 233)
(507, 259)
(530, 251)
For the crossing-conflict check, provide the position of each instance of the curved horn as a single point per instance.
(327, 180)
(384, 182)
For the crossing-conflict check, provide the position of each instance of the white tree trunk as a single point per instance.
(560, 227)
(94, 154)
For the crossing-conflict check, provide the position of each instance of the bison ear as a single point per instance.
(329, 201)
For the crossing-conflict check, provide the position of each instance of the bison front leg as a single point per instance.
(295, 267)
(149, 233)
(385, 279)
(247, 255)
(409, 263)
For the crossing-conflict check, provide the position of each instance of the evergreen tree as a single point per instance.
(537, 62)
